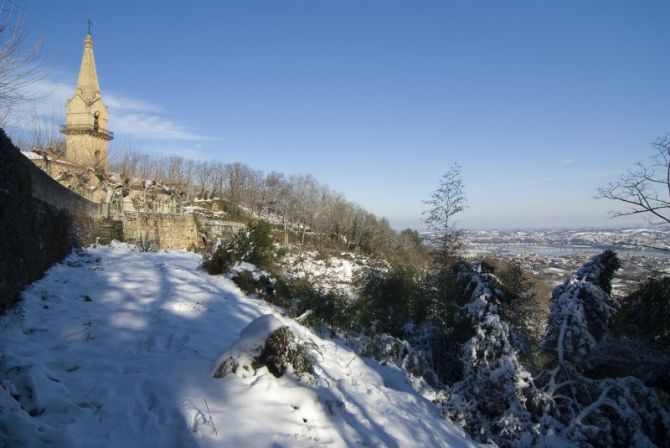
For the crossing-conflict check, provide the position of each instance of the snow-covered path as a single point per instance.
(115, 348)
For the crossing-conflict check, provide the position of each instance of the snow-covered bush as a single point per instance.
(610, 412)
(222, 258)
(592, 411)
(315, 306)
(282, 351)
(525, 305)
(495, 394)
(326, 271)
(389, 350)
(266, 342)
(253, 245)
(255, 282)
(581, 309)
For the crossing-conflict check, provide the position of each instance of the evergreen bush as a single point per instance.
(260, 285)
(645, 313)
(254, 245)
(387, 299)
(299, 296)
(282, 351)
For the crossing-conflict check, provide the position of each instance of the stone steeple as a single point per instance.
(86, 133)
(87, 82)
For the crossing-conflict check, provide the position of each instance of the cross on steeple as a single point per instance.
(89, 25)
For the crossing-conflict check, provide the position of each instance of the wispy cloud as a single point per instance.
(45, 103)
(123, 103)
(567, 161)
(50, 92)
(153, 127)
(129, 117)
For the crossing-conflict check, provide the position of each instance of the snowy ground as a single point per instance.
(116, 348)
(330, 273)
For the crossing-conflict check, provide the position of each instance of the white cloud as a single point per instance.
(151, 127)
(129, 117)
(122, 103)
(50, 92)
(567, 161)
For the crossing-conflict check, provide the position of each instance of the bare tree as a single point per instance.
(253, 195)
(20, 62)
(219, 180)
(204, 173)
(444, 203)
(273, 185)
(283, 203)
(43, 132)
(645, 189)
(188, 178)
(305, 198)
(236, 176)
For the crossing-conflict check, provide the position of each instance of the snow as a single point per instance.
(239, 356)
(257, 273)
(115, 347)
(330, 273)
(579, 306)
(492, 396)
(32, 155)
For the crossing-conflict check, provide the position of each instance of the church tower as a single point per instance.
(86, 133)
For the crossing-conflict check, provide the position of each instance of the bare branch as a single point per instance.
(646, 188)
(20, 63)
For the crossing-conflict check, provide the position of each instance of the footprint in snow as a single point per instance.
(176, 343)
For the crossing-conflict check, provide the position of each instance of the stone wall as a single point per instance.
(106, 230)
(69, 175)
(217, 228)
(40, 221)
(50, 191)
(167, 231)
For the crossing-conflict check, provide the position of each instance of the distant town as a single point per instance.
(554, 254)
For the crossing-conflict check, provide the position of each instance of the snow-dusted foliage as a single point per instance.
(253, 245)
(492, 399)
(326, 272)
(239, 357)
(595, 412)
(399, 353)
(265, 342)
(581, 309)
(497, 400)
(608, 412)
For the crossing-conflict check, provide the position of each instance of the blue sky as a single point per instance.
(540, 101)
